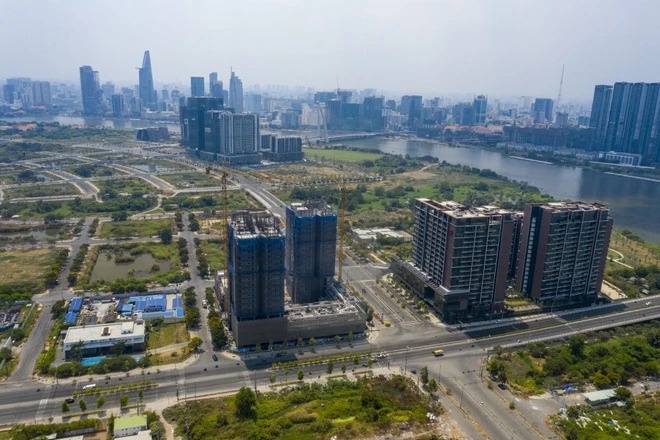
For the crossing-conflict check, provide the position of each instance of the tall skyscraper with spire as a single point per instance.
(146, 88)
(236, 93)
(90, 87)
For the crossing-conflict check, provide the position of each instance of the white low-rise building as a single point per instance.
(98, 339)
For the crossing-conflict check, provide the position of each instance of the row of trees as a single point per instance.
(192, 315)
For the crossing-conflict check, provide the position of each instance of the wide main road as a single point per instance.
(30, 400)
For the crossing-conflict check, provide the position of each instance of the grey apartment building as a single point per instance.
(562, 252)
(311, 241)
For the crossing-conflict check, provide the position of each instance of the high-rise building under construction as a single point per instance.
(311, 241)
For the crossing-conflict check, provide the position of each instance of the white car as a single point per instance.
(648, 303)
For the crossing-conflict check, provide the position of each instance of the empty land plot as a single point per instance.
(25, 270)
(55, 189)
(238, 199)
(91, 170)
(340, 155)
(111, 189)
(191, 180)
(135, 228)
(155, 165)
(214, 253)
(166, 334)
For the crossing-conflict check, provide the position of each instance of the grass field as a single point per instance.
(18, 267)
(635, 252)
(167, 334)
(214, 253)
(239, 199)
(135, 228)
(191, 180)
(120, 187)
(340, 155)
(55, 189)
(349, 410)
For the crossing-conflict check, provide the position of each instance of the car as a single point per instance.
(502, 386)
(648, 303)
(215, 358)
(413, 370)
(69, 400)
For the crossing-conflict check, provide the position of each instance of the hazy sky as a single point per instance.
(497, 47)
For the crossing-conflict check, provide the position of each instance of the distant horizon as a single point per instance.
(433, 48)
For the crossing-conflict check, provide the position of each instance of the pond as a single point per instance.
(106, 269)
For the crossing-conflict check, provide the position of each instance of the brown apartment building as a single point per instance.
(562, 252)
(465, 254)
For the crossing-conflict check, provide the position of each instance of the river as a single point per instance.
(119, 124)
(634, 203)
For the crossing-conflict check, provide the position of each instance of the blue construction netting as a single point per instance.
(70, 317)
(177, 303)
(126, 308)
(76, 304)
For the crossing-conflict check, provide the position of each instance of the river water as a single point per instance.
(634, 203)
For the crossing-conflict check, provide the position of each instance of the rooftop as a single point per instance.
(248, 224)
(130, 422)
(573, 206)
(597, 396)
(101, 331)
(454, 209)
(312, 208)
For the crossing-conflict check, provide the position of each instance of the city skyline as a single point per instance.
(428, 48)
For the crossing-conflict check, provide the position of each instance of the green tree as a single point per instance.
(576, 344)
(600, 380)
(330, 367)
(5, 354)
(343, 368)
(301, 375)
(165, 236)
(350, 336)
(272, 377)
(337, 339)
(499, 350)
(83, 405)
(356, 360)
(312, 342)
(100, 402)
(118, 348)
(572, 412)
(433, 385)
(622, 393)
(194, 343)
(123, 401)
(424, 375)
(300, 342)
(246, 403)
(119, 216)
(65, 407)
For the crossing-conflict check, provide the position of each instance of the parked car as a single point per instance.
(215, 358)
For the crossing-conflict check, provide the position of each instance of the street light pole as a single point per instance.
(405, 366)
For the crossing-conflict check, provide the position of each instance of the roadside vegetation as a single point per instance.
(367, 407)
(605, 359)
(642, 278)
(639, 418)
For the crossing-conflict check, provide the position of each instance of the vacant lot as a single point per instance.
(110, 189)
(238, 199)
(25, 270)
(166, 334)
(340, 155)
(55, 189)
(135, 228)
(191, 180)
(366, 408)
(214, 253)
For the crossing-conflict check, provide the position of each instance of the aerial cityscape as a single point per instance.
(330, 220)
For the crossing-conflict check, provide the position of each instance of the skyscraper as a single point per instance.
(311, 241)
(192, 116)
(255, 266)
(480, 109)
(117, 105)
(92, 95)
(373, 120)
(542, 110)
(632, 120)
(196, 86)
(600, 110)
(411, 106)
(147, 93)
(465, 253)
(41, 93)
(236, 93)
(562, 253)
(215, 86)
